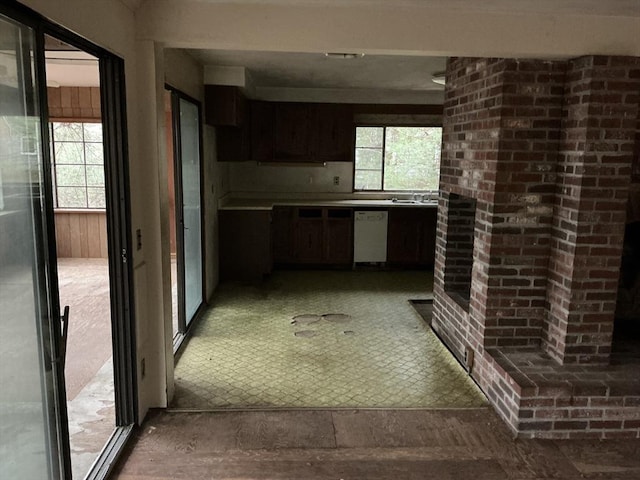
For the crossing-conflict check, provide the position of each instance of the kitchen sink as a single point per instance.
(406, 201)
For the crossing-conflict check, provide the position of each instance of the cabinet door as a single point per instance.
(232, 144)
(224, 106)
(308, 237)
(245, 244)
(403, 239)
(283, 234)
(428, 236)
(338, 237)
(262, 131)
(334, 133)
(293, 132)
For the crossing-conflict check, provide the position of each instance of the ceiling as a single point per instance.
(370, 78)
(297, 76)
(545, 7)
(300, 76)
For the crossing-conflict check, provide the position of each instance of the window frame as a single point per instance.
(54, 164)
(384, 125)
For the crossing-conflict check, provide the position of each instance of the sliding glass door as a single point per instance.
(33, 426)
(188, 176)
(34, 431)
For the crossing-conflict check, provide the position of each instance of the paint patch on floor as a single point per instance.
(305, 319)
(244, 353)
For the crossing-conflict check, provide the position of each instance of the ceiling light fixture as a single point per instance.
(438, 77)
(344, 55)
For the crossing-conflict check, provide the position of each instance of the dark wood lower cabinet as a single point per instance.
(312, 236)
(309, 230)
(283, 234)
(338, 236)
(245, 244)
(252, 241)
(411, 236)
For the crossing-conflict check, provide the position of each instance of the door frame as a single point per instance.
(119, 238)
(183, 325)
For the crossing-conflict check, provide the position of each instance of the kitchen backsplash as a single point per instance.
(251, 177)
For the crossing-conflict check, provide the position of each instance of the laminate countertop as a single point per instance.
(269, 203)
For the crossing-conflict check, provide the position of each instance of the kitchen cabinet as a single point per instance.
(338, 236)
(309, 232)
(262, 131)
(293, 132)
(312, 236)
(245, 244)
(283, 233)
(411, 236)
(334, 133)
(232, 144)
(301, 132)
(224, 106)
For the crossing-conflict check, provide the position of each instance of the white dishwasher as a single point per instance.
(370, 236)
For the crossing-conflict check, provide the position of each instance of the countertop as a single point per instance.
(269, 203)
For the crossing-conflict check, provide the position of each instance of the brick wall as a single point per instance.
(594, 171)
(545, 149)
(459, 248)
(500, 144)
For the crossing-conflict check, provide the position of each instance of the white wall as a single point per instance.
(386, 27)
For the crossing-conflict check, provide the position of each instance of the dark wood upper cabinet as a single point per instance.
(224, 106)
(232, 144)
(301, 132)
(293, 132)
(334, 133)
(262, 131)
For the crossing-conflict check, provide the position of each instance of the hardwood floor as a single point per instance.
(366, 444)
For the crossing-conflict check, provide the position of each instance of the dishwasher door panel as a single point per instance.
(370, 236)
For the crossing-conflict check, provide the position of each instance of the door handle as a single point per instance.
(64, 319)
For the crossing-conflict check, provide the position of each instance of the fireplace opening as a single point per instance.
(626, 331)
(459, 248)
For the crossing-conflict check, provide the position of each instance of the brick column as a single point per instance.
(594, 170)
(521, 217)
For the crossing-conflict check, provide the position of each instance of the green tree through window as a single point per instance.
(78, 165)
(397, 158)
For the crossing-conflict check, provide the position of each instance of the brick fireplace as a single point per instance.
(541, 153)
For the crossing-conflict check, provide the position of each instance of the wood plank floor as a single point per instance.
(366, 444)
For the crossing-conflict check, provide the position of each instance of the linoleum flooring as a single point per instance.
(321, 339)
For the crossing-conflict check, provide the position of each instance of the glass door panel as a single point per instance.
(32, 418)
(189, 164)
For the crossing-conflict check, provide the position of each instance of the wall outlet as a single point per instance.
(138, 239)
(336, 180)
(143, 368)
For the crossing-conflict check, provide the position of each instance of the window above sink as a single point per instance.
(397, 159)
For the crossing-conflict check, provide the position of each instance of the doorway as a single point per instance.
(184, 176)
(35, 431)
(80, 219)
